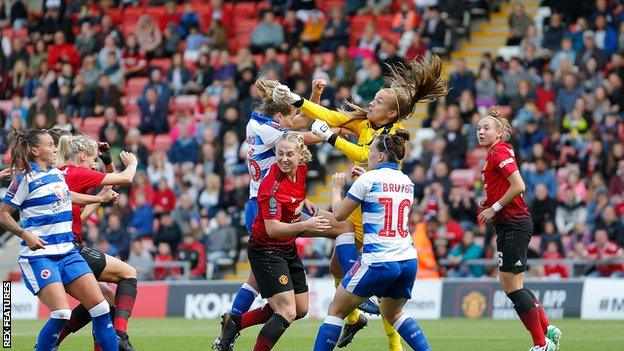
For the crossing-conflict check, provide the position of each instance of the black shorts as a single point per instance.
(512, 244)
(277, 271)
(95, 258)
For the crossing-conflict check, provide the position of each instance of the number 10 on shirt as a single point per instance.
(388, 230)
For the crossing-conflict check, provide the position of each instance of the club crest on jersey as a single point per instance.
(272, 206)
(283, 279)
(45, 274)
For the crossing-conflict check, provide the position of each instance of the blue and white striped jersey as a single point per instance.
(262, 133)
(386, 195)
(45, 209)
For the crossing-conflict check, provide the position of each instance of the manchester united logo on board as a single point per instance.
(474, 304)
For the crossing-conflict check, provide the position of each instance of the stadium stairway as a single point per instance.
(488, 36)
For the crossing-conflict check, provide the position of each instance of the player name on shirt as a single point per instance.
(397, 188)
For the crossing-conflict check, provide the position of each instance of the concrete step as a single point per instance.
(488, 35)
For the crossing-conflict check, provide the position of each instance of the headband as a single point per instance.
(396, 97)
(388, 151)
(500, 124)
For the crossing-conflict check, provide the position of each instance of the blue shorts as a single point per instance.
(251, 211)
(385, 279)
(39, 272)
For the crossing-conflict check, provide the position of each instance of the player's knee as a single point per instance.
(129, 272)
(109, 294)
(390, 316)
(302, 311)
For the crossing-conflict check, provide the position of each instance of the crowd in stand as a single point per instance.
(69, 64)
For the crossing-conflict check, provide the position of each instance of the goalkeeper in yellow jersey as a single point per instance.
(419, 81)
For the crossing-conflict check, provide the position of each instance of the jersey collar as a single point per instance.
(35, 167)
(390, 165)
(261, 118)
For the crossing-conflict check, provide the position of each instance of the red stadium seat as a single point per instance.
(115, 14)
(245, 10)
(463, 178)
(358, 22)
(162, 63)
(245, 26)
(156, 12)
(134, 86)
(184, 103)
(384, 22)
(92, 125)
(148, 141)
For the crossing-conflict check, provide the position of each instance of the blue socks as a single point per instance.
(345, 251)
(50, 331)
(410, 331)
(103, 330)
(328, 334)
(243, 300)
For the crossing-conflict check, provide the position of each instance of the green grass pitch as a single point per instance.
(444, 335)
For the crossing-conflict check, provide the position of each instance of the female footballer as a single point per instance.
(388, 265)
(77, 154)
(266, 126)
(419, 81)
(50, 263)
(503, 204)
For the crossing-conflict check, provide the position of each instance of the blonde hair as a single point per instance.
(70, 146)
(418, 81)
(502, 124)
(294, 137)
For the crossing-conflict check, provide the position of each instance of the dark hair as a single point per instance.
(393, 145)
(21, 144)
(56, 134)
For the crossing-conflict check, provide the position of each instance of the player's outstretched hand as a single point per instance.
(128, 158)
(318, 85)
(104, 153)
(317, 223)
(321, 130)
(282, 93)
(33, 242)
(487, 215)
(338, 181)
(357, 171)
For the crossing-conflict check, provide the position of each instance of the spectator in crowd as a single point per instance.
(135, 145)
(107, 95)
(336, 32)
(162, 258)
(268, 33)
(141, 259)
(519, 22)
(220, 241)
(565, 52)
(149, 36)
(590, 50)
(142, 219)
(405, 19)
(185, 214)
(185, 148)
(62, 52)
(117, 236)
(168, 231)
(111, 122)
(485, 88)
(467, 249)
(193, 252)
(554, 270)
(434, 29)
(153, 113)
(133, 58)
(188, 20)
(461, 79)
(569, 211)
(554, 33)
(610, 222)
(178, 76)
(602, 249)
(41, 105)
(371, 85)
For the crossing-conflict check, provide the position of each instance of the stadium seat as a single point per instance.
(148, 141)
(475, 156)
(162, 63)
(92, 125)
(245, 10)
(384, 21)
(134, 86)
(358, 22)
(184, 103)
(156, 11)
(132, 14)
(463, 178)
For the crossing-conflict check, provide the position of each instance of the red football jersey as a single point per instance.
(609, 249)
(499, 164)
(80, 180)
(281, 199)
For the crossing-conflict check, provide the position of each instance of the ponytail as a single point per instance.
(21, 143)
(393, 145)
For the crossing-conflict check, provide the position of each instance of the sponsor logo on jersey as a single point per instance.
(506, 162)
(272, 206)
